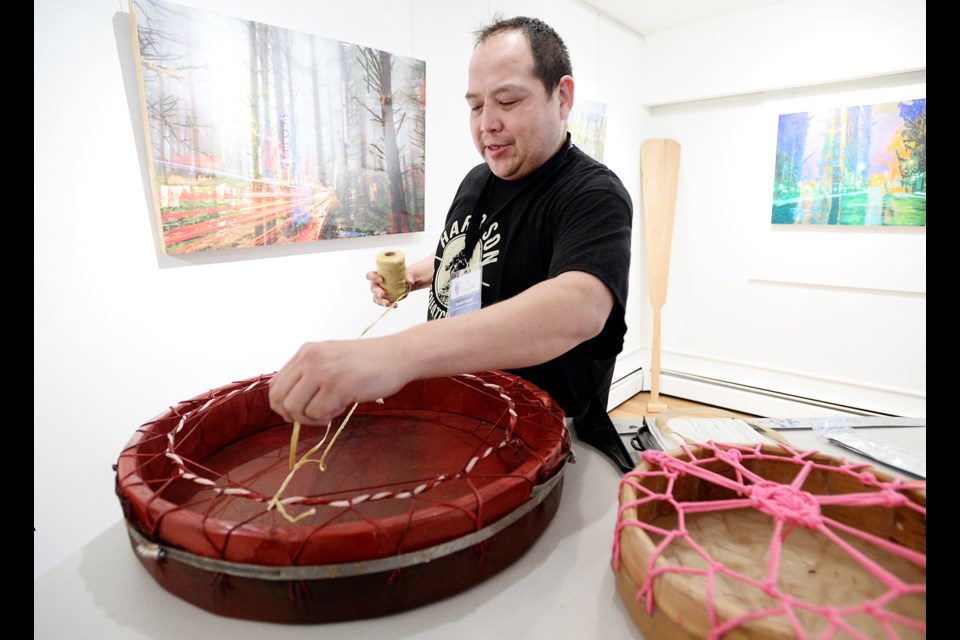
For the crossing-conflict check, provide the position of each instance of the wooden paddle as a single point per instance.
(659, 167)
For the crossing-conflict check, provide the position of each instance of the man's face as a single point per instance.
(516, 126)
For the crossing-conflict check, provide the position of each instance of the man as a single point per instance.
(530, 273)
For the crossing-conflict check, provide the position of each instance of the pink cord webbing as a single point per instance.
(789, 507)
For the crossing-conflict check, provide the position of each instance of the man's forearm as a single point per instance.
(421, 272)
(538, 325)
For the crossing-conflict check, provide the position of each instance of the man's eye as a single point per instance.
(507, 103)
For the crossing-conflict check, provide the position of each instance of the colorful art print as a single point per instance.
(588, 127)
(259, 135)
(859, 166)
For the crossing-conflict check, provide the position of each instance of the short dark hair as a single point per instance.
(551, 60)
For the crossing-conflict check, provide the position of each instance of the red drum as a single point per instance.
(424, 494)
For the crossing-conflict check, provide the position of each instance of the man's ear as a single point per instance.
(565, 93)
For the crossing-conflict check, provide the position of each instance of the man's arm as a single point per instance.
(420, 273)
(537, 325)
(324, 379)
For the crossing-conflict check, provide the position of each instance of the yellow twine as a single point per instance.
(390, 264)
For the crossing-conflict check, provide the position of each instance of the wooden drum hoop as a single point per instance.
(764, 541)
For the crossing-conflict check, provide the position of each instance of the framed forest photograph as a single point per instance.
(259, 135)
(863, 165)
(849, 189)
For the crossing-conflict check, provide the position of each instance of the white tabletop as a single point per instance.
(563, 587)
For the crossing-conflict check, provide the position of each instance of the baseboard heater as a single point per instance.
(625, 388)
(748, 399)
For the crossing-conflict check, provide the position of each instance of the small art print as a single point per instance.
(856, 166)
(259, 135)
(588, 127)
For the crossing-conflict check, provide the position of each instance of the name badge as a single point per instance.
(465, 291)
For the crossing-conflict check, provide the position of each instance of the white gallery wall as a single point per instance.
(121, 331)
(776, 319)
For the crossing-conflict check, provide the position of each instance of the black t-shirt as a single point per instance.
(571, 214)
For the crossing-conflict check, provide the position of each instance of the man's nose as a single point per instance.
(490, 120)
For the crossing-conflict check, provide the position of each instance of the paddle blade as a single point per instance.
(659, 169)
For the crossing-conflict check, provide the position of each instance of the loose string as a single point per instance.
(387, 267)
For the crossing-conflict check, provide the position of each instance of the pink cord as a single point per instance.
(789, 507)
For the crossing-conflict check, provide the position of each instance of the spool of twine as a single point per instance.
(391, 265)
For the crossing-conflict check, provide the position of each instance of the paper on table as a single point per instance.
(727, 430)
(850, 421)
(914, 462)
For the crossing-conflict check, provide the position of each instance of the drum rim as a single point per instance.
(147, 549)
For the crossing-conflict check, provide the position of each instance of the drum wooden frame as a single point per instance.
(797, 569)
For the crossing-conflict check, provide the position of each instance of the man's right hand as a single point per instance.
(325, 379)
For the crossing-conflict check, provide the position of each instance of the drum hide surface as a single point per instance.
(423, 495)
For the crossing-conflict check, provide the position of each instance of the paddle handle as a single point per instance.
(654, 405)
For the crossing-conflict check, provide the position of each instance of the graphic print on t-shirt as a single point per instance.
(453, 260)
